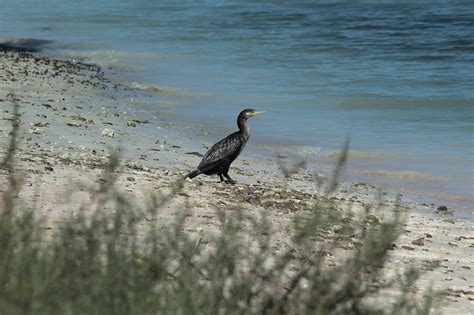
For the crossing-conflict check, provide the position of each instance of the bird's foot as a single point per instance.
(229, 179)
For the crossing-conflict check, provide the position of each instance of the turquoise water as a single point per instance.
(396, 76)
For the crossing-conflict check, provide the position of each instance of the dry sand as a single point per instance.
(71, 115)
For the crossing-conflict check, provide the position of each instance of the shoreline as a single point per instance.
(385, 169)
(388, 170)
(71, 113)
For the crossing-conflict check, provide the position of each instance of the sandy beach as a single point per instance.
(72, 115)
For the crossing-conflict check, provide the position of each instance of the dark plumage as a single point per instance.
(218, 159)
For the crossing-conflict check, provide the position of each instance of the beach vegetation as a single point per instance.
(103, 259)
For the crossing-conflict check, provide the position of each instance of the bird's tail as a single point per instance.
(193, 174)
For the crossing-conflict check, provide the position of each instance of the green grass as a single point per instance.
(100, 262)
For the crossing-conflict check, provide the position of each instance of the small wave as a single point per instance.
(107, 58)
(290, 150)
(165, 91)
(306, 151)
(271, 16)
(368, 27)
(362, 155)
(449, 197)
(428, 58)
(385, 102)
(146, 88)
(27, 42)
(24, 44)
(407, 176)
(174, 92)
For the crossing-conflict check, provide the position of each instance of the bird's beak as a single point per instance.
(259, 112)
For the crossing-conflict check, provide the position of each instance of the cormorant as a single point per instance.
(218, 159)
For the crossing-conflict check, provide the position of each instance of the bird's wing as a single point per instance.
(221, 150)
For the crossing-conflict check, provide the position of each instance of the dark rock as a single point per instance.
(78, 117)
(442, 208)
(73, 124)
(419, 242)
(138, 121)
(194, 153)
(41, 124)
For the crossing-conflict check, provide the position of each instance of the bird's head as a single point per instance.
(249, 113)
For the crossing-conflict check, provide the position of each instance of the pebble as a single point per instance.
(107, 132)
(442, 208)
(73, 124)
(40, 124)
(268, 193)
(36, 131)
(419, 242)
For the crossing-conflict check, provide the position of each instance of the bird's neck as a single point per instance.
(242, 123)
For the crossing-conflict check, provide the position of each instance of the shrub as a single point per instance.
(100, 262)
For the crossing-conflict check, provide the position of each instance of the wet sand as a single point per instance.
(71, 115)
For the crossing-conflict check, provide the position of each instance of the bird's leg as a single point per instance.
(229, 179)
(222, 178)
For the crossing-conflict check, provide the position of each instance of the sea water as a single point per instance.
(395, 76)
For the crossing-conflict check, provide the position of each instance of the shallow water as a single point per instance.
(397, 77)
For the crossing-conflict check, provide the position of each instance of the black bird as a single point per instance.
(218, 159)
